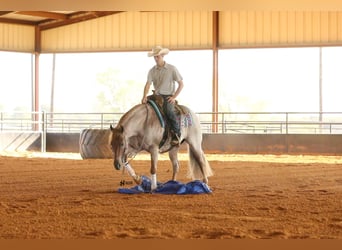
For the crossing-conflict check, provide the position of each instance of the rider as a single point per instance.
(163, 76)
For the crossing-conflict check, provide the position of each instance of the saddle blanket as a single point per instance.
(186, 121)
(170, 187)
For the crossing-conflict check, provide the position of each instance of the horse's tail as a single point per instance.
(199, 167)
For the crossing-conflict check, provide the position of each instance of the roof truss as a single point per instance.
(50, 19)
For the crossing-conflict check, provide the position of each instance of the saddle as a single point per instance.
(157, 102)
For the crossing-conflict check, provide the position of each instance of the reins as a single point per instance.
(142, 142)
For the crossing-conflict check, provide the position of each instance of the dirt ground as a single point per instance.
(61, 196)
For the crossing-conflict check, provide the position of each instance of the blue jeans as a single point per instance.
(170, 113)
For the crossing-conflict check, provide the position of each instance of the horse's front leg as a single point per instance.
(173, 155)
(154, 161)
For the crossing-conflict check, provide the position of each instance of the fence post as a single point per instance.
(330, 128)
(287, 123)
(43, 133)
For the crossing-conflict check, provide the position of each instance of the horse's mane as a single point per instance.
(133, 112)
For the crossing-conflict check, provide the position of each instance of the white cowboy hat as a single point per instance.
(158, 50)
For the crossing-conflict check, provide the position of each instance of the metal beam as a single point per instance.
(320, 89)
(76, 18)
(35, 73)
(2, 13)
(16, 21)
(37, 40)
(215, 70)
(45, 14)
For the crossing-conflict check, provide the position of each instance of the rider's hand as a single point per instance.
(171, 99)
(144, 100)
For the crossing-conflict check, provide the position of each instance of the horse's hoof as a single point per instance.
(137, 179)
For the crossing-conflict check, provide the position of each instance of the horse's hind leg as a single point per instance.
(173, 155)
(199, 166)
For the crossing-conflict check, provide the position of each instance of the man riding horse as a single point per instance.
(163, 76)
(142, 127)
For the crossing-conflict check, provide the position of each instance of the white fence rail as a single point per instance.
(222, 122)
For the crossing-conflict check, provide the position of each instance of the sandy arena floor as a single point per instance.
(60, 196)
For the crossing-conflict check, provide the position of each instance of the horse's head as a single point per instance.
(119, 146)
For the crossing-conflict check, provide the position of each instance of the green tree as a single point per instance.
(117, 92)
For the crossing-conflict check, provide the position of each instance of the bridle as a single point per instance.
(131, 156)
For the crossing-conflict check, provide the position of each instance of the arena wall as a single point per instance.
(273, 144)
(212, 143)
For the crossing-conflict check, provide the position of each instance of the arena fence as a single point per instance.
(230, 124)
(227, 122)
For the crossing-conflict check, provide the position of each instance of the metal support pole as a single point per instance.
(320, 89)
(215, 71)
(43, 132)
(287, 123)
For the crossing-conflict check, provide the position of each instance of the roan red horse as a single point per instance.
(141, 128)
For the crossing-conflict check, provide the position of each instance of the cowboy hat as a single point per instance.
(158, 50)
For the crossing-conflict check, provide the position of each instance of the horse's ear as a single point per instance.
(118, 128)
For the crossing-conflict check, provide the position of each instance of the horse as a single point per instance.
(141, 129)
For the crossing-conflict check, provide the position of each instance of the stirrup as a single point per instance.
(175, 140)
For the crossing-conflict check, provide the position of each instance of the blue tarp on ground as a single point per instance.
(170, 187)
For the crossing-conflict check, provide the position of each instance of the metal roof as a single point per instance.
(50, 19)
